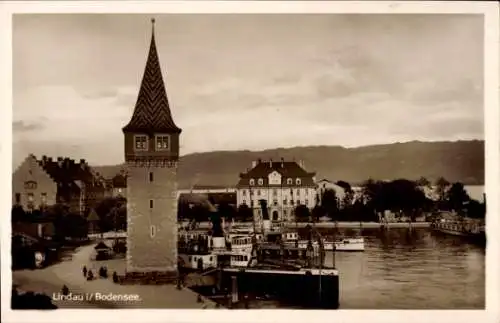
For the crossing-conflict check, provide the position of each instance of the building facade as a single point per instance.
(151, 154)
(324, 185)
(282, 184)
(45, 182)
(32, 187)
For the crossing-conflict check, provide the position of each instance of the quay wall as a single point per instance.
(206, 225)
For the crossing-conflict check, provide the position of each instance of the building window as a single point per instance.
(31, 197)
(252, 181)
(150, 204)
(141, 142)
(284, 201)
(275, 192)
(162, 142)
(152, 231)
(298, 181)
(151, 176)
(44, 198)
(244, 193)
(307, 202)
(291, 202)
(244, 201)
(258, 192)
(303, 191)
(289, 181)
(18, 198)
(261, 181)
(284, 213)
(275, 202)
(298, 202)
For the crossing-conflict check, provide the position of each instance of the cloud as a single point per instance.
(249, 81)
(101, 94)
(22, 126)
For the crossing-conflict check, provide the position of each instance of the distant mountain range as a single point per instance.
(461, 161)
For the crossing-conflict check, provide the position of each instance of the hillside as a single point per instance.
(456, 161)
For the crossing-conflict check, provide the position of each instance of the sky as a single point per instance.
(247, 81)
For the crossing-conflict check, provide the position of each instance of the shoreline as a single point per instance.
(339, 225)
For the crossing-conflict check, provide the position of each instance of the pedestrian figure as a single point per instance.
(84, 270)
(90, 275)
(104, 272)
(65, 290)
(115, 277)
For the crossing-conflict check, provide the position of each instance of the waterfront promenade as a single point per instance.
(341, 225)
(51, 279)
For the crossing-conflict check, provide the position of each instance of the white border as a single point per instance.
(492, 117)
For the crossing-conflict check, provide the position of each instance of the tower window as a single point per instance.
(162, 142)
(252, 181)
(261, 181)
(289, 181)
(153, 231)
(18, 198)
(141, 142)
(150, 204)
(298, 181)
(151, 176)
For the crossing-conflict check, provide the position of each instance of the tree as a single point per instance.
(441, 187)
(475, 209)
(329, 202)
(302, 213)
(456, 197)
(245, 213)
(317, 212)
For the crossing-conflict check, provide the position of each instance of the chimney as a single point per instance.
(254, 164)
(59, 161)
(44, 158)
(282, 162)
(270, 163)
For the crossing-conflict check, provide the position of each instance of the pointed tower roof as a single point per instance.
(152, 110)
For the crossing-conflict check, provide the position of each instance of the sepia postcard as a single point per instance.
(327, 161)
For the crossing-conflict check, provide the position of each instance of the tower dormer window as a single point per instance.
(141, 142)
(261, 181)
(289, 181)
(252, 181)
(298, 181)
(162, 142)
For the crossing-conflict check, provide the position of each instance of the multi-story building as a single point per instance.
(283, 184)
(38, 183)
(324, 185)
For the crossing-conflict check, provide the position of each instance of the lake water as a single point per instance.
(409, 269)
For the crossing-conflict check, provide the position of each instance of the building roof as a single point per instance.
(152, 111)
(69, 174)
(287, 169)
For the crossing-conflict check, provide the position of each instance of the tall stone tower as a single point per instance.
(151, 155)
